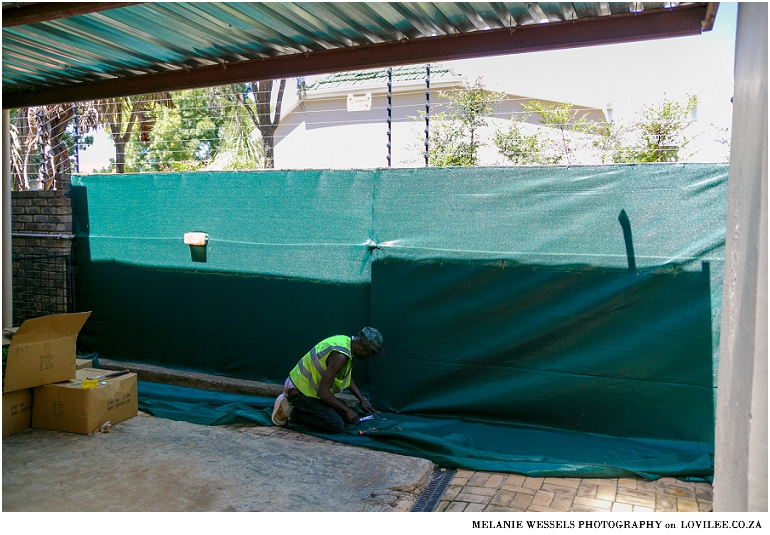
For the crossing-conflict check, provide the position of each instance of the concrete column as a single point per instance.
(7, 274)
(740, 464)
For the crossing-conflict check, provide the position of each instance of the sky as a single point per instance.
(627, 76)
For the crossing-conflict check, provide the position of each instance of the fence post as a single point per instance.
(7, 274)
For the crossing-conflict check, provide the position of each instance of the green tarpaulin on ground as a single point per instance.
(580, 304)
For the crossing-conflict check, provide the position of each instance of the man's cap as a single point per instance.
(371, 339)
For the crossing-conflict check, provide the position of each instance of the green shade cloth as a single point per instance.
(581, 300)
(455, 443)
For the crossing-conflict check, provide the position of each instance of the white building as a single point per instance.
(341, 122)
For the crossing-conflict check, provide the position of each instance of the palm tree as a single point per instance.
(121, 115)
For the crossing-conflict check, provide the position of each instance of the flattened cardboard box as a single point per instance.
(17, 411)
(69, 407)
(42, 351)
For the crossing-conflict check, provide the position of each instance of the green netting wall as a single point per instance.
(580, 301)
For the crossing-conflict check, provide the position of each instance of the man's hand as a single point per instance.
(351, 416)
(367, 407)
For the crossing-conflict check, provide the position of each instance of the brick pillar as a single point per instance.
(41, 251)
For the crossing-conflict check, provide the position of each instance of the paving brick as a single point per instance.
(592, 502)
(501, 509)
(451, 492)
(456, 507)
(604, 492)
(543, 497)
(679, 492)
(522, 490)
(665, 503)
(521, 501)
(459, 480)
(533, 483)
(464, 473)
(605, 482)
(642, 484)
(472, 498)
(562, 502)
(515, 480)
(622, 508)
(503, 498)
(475, 507)
(441, 507)
(588, 490)
(495, 480)
(581, 508)
(478, 479)
(627, 483)
(683, 505)
(705, 493)
(638, 493)
(623, 497)
(483, 491)
(558, 489)
(705, 506)
(572, 483)
(266, 431)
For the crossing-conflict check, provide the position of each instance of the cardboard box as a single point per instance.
(67, 406)
(83, 363)
(17, 411)
(42, 351)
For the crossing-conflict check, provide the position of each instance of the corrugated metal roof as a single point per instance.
(402, 73)
(77, 51)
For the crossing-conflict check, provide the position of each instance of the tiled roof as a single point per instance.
(403, 73)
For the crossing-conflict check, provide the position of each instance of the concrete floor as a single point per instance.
(152, 464)
(475, 492)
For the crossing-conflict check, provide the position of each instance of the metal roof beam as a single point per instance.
(18, 15)
(657, 24)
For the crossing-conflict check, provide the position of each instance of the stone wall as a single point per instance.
(41, 232)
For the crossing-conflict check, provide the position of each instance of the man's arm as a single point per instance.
(334, 363)
(365, 405)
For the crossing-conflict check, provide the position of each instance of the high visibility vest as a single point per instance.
(306, 375)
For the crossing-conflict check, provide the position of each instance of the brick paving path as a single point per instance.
(471, 491)
(484, 491)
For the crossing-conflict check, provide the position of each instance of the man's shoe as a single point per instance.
(281, 411)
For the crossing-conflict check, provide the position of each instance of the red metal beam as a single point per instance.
(32, 12)
(659, 24)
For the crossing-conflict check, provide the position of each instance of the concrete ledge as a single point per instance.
(218, 383)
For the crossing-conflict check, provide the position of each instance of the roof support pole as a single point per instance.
(7, 278)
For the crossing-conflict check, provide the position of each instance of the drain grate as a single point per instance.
(429, 499)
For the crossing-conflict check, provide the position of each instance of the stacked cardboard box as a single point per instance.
(43, 381)
(68, 406)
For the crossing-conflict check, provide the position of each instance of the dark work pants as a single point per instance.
(316, 414)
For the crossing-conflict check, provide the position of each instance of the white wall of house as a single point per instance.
(320, 133)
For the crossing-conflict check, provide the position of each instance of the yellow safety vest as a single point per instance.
(306, 375)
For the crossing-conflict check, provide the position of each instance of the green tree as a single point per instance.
(122, 115)
(43, 138)
(661, 130)
(241, 146)
(520, 148)
(454, 139)
(563, 119)
(183, 137)
(608, 139)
